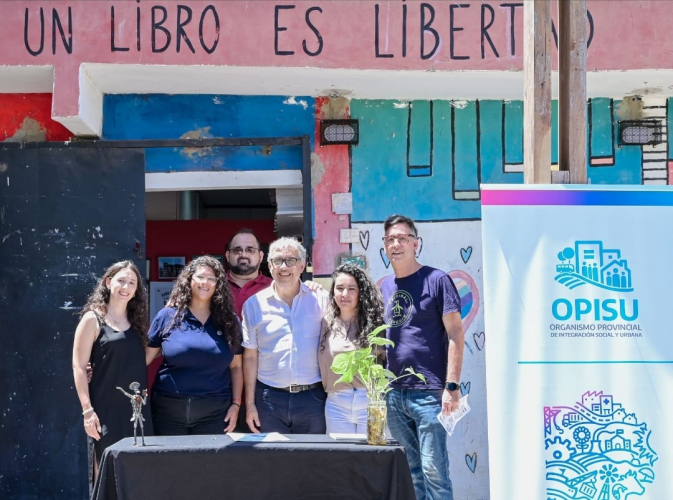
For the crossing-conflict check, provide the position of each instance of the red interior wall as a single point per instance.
(187, 238)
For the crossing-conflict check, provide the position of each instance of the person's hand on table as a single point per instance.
(232, 417)
(252, 418)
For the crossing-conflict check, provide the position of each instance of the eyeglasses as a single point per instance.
(246, 250)
(200, 278)
(403, 239)
(279, 261)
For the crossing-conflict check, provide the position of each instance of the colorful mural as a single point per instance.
(427, 159)
(431, 156)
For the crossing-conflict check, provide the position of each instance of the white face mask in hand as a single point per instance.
(449, 421)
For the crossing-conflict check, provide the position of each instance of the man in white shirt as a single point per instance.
(281, 333)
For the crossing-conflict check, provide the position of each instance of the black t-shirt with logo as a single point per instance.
(414, 307)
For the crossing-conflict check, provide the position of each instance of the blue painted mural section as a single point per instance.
(628, 160)
(513, 132)
(494, 139)
(466, 159)
(602, 139)
(420, 139)
(380, 184)
(471, 143)
(160, 116)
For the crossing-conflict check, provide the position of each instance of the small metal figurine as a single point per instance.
(138, 400)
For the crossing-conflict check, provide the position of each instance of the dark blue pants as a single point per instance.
(291, 413)
(191, 415)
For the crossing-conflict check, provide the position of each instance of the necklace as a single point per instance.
(113, 321)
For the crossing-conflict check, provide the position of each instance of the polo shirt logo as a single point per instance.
(398, 308)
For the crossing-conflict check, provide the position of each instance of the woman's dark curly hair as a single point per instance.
(370, 305)
(136, 308)
(222, 312)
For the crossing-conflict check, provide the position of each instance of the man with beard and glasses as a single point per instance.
(244, 257)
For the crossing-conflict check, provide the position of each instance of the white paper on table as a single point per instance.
(341, 435)
(449, 421)
(261, 437)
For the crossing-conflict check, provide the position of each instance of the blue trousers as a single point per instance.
(412, 421)
(291, 413)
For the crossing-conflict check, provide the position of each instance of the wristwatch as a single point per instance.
(452, 386)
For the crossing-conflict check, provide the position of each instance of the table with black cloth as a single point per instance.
(307, 467)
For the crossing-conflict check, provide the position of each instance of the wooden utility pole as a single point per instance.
(572, 101)
(537, 92)
(572, 92)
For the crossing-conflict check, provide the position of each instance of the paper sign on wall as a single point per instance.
(342, 203)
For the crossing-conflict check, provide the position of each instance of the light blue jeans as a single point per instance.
(346, 411)
(412, 421)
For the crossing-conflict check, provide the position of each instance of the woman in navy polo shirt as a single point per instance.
(199, 384)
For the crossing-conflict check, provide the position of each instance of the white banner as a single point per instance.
(579, 367)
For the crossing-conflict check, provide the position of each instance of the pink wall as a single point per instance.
(347, 29)
(331, 163)
(334, 34)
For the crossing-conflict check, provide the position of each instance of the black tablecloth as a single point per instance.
(308, 467)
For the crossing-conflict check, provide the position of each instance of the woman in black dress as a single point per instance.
(111, 336)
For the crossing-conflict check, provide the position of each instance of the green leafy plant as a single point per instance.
(362, 365)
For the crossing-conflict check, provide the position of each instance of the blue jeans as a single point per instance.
(412, 421)
(291, 413)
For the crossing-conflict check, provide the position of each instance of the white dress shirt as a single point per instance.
(286, 338)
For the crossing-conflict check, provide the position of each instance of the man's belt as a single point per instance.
(299, 388)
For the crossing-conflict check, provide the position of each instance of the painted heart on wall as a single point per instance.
(466, 253)
(471, 461)
(364, 239)
(384, 258)
(479, 339)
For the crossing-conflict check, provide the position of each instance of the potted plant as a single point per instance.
(362, 364)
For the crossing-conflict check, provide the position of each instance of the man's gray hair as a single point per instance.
(285, 242)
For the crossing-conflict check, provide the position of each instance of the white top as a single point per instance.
(286, 338)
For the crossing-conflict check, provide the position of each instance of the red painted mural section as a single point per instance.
(28, 117)
(189, 238)
(333, 163)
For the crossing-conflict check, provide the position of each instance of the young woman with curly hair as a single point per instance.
(355, 309)
(111, 336)
(200, 380)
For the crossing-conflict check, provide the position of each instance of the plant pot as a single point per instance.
(376, 422)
